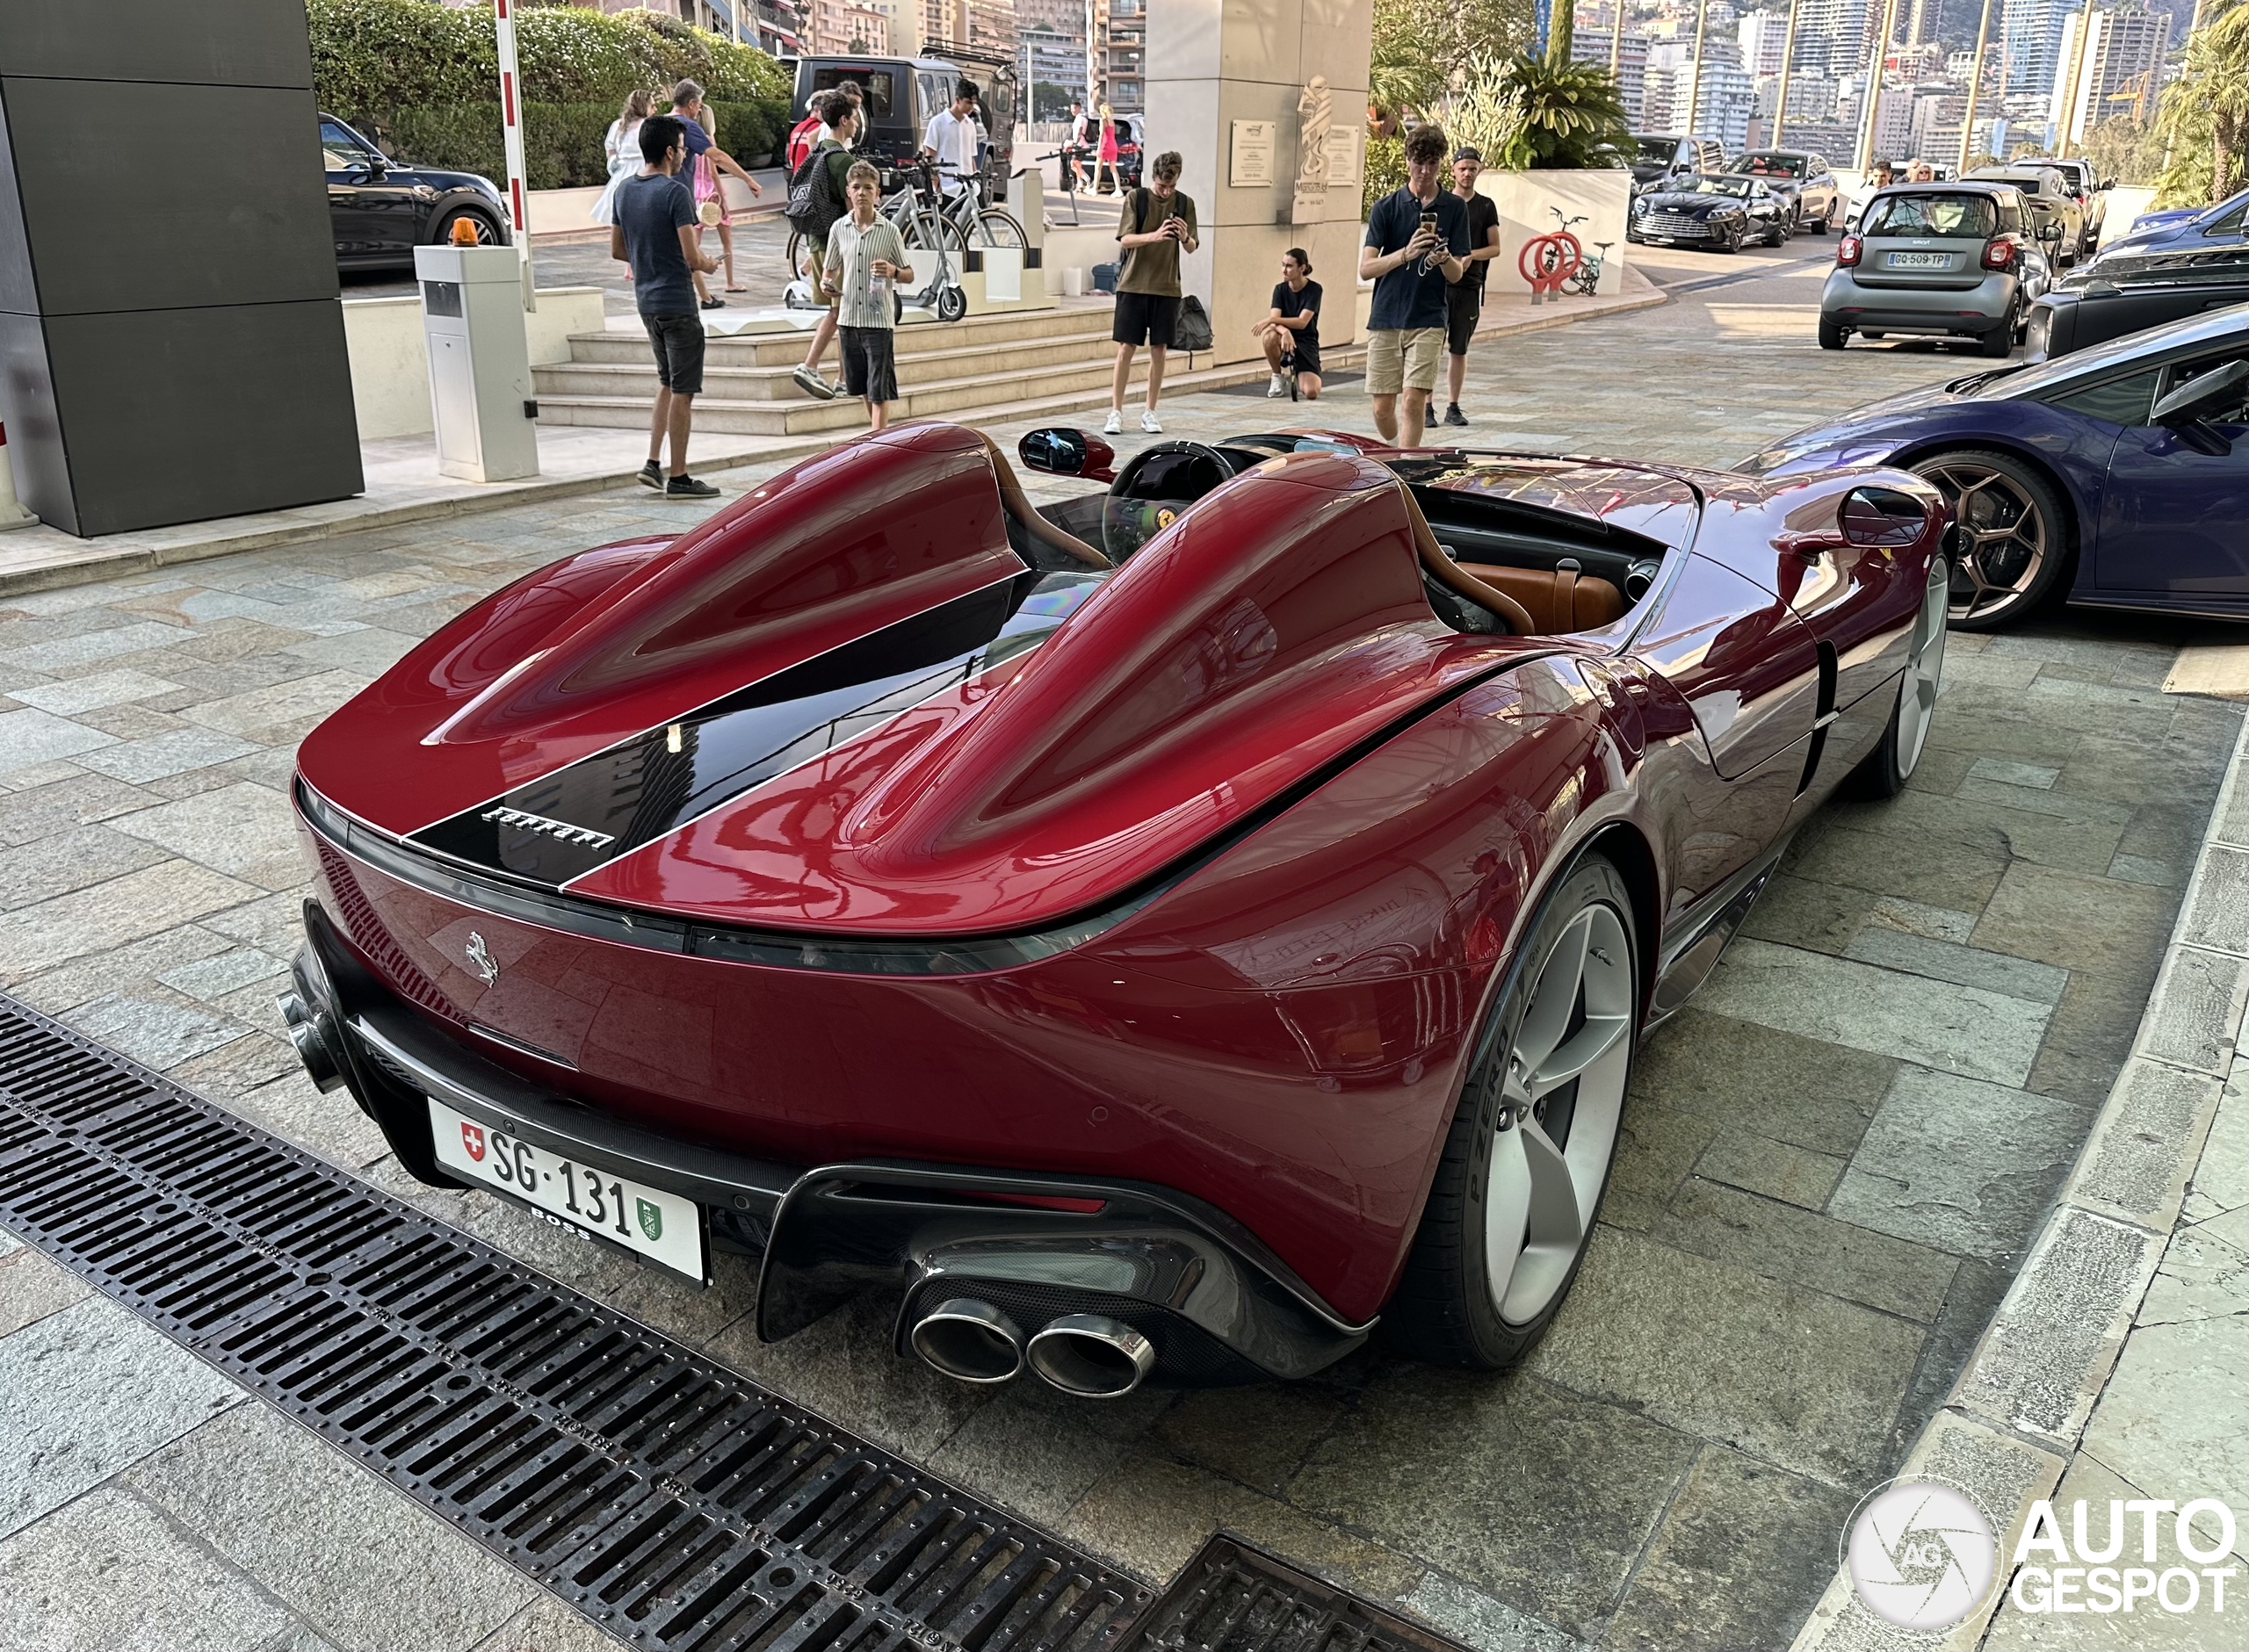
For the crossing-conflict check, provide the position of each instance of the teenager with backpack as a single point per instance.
(1158, 223)
(818, 196)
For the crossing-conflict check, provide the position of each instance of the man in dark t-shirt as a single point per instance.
(655, 234)
(1416, 240)
(1464, 301)
(1291, 331)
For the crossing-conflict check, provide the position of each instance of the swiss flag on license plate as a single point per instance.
(473, 1139)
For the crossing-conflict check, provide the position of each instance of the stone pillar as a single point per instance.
(1212, 63)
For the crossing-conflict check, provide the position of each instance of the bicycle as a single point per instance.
(1068, 157)
(971, 223)
(1588, 276)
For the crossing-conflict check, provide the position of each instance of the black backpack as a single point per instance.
(813, 208)
(1190, 330)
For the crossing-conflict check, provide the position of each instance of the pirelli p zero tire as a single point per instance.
(1527, 1157)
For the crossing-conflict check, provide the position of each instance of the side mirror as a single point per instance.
(2185, 408)
(2106, 184)
(1061, 449)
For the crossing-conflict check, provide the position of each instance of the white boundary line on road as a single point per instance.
(2009, 1429)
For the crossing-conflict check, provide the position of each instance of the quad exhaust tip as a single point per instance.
(309, 1037)
(970, 1341)
(1092, 1356)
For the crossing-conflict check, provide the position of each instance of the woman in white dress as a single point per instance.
(622, 145)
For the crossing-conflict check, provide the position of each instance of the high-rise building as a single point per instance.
(1725, 101)
(2111, 64)
(1762, 34)
(841, 27)
(2032, 31)
(1845, 30)
(1591, 45)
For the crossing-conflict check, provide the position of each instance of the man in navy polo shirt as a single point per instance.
(1416, 240)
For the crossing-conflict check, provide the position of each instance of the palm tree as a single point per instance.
(2204, 118)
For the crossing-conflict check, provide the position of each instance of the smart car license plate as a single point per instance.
(1921, 261)
(662, 1227)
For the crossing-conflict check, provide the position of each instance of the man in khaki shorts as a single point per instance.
(1417, 237)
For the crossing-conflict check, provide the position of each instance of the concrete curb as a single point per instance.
(86, 561)
(2009, 1429)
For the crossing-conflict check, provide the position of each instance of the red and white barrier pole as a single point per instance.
(511, 133)
(12, 515)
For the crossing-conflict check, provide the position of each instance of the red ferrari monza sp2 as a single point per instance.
(1156, 934)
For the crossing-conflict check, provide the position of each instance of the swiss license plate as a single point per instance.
(1921, 261)
(662, 1227)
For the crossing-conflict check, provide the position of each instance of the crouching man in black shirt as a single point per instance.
(1292, 332)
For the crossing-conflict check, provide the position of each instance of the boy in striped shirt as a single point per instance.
(867, 261)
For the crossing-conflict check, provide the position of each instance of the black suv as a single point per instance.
(1658, 154)
(383, 208)
(2127, 292)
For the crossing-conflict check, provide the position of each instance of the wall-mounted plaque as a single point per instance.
(1250, 163)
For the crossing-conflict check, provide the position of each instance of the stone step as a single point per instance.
(632, 372)
(984, 395)
(978, 332)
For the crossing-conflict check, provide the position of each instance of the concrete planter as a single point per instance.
(1527, 201)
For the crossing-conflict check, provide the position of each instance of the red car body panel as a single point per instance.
(1327, 819)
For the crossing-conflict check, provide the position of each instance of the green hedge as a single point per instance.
(416, 75)
(561, 141)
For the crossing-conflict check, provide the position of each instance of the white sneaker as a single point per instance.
(1278, 387)
(1115, 425)
(1148, 424)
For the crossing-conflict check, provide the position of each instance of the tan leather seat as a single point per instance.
(1559, 601)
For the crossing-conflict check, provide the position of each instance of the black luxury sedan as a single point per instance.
(383, 208)
(2128, 290)
(1721, 210)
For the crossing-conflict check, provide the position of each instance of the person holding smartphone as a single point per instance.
(1158, 224)
(1416, 244)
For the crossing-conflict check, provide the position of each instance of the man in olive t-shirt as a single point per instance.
(1157, 223)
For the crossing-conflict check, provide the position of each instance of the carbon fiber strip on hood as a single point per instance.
(565, 824)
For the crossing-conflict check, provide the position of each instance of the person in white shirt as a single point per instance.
(951, 137)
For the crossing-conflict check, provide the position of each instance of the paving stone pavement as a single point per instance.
(1830, 1166)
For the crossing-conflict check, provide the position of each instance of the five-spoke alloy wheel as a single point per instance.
(2011, 540)
(1528, 1152)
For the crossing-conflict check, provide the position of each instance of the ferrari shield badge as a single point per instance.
(473, 1139)
(652, 1220)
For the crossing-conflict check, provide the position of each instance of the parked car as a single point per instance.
(1801, 178)
(2049, 195)
(2092, 192)
(901, 95)
(2218, 225)
(1948, 260)
(382, 208)
(2118, 475)
(1723, 212)
(2111, 296)
(1143, 977)
(1659, 154)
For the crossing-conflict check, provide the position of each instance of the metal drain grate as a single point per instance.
(1233, 1597)
(670, 1500)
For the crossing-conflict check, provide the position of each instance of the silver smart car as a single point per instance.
(1957, 260)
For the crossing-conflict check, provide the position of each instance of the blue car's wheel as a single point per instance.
(2011, 537)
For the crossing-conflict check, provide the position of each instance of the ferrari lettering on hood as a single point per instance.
(565, 824)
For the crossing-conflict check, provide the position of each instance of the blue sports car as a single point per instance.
(2117, 474)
